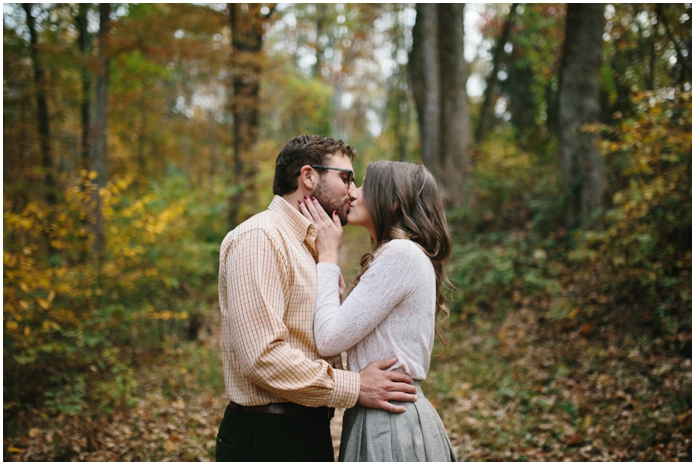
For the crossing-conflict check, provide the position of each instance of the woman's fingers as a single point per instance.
(317, 210)
(304, 211)
(336, 220)
(312, 209)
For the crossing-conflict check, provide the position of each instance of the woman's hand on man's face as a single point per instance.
(330, 232)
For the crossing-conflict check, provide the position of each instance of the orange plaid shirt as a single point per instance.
(267, 292)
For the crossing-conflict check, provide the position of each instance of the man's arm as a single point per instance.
(256, 281)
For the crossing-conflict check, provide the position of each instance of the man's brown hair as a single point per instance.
(304, 150)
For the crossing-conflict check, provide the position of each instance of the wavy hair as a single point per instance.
(404, 203)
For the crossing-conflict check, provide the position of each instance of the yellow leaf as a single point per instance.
(11, 325)
(27, 331)
(24, 305)
(26, 251)
(587, 421)
(45, 304)
(51, 296)
(24, 287)
(15, 450)
(10, 260)
(93, 175)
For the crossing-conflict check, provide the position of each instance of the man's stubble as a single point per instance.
(330, 201)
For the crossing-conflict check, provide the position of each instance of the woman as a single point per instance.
(393, 307)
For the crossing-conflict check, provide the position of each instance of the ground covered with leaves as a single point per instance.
(519, 388)
(527, 389)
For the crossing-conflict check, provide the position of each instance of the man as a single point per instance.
(282, 392)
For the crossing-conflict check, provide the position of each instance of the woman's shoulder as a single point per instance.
(402, 248)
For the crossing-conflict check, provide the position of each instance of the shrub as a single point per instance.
(642, 255)
(74, 325)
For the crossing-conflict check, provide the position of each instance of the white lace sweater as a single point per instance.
(390, 313)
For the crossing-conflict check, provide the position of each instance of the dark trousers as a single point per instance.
(266, 437)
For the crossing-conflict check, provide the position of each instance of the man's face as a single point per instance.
(334, 190)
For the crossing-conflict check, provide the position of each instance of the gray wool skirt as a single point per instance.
(417, 435)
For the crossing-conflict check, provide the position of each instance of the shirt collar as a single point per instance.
(294, 222)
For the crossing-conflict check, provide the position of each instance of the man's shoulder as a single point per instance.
(265, 223)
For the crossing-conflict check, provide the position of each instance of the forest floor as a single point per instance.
(506, 390)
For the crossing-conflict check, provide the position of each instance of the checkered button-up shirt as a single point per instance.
(267, 292)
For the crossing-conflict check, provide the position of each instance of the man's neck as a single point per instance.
(295, 197)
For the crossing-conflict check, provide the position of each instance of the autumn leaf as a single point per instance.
(575, 439)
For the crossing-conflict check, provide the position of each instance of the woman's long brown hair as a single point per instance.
(404, 203)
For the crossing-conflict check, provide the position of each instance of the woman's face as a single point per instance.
(358, 215)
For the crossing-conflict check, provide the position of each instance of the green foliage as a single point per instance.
(637, 256)
(505, 253)
(72, 325)
(643, 253)
(497, 272)
(516, 188)
(297, 105)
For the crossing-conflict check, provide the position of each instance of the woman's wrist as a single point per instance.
(328, 258)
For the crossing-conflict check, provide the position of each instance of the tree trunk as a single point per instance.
(398, 107)
(247, 42)
(98, 135)
(438, 74)
(320, 26)
(49, 187)
(489, 101)
(83, 41)
(423, 67)
(455, 126)
(583, 168)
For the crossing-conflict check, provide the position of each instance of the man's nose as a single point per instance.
(352, 190)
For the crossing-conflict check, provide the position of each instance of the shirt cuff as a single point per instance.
(327, 267)
(347, 389)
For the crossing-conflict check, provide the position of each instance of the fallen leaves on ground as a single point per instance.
(506, 390)
(518, 390)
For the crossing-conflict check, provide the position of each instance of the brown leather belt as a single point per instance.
(286, 408)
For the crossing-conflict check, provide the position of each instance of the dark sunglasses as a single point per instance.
(351, 174)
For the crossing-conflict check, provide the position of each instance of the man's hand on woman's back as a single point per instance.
(378, 387)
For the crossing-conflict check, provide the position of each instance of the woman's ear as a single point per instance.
(308, 178)
(395, 204)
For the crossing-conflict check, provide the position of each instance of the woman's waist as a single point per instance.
(414, 365)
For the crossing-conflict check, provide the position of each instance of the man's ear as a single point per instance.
(307, 178)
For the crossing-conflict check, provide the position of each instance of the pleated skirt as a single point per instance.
(417, 435)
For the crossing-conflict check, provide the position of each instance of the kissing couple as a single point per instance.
(286, 320)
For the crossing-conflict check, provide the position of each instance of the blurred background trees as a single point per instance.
(137, 135)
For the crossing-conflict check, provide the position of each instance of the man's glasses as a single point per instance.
(351, 175)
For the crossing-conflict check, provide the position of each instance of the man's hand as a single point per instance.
(377, 387)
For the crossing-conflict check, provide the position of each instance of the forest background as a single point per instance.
(136, 135)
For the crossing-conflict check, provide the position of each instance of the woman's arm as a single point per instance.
(387, 281)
